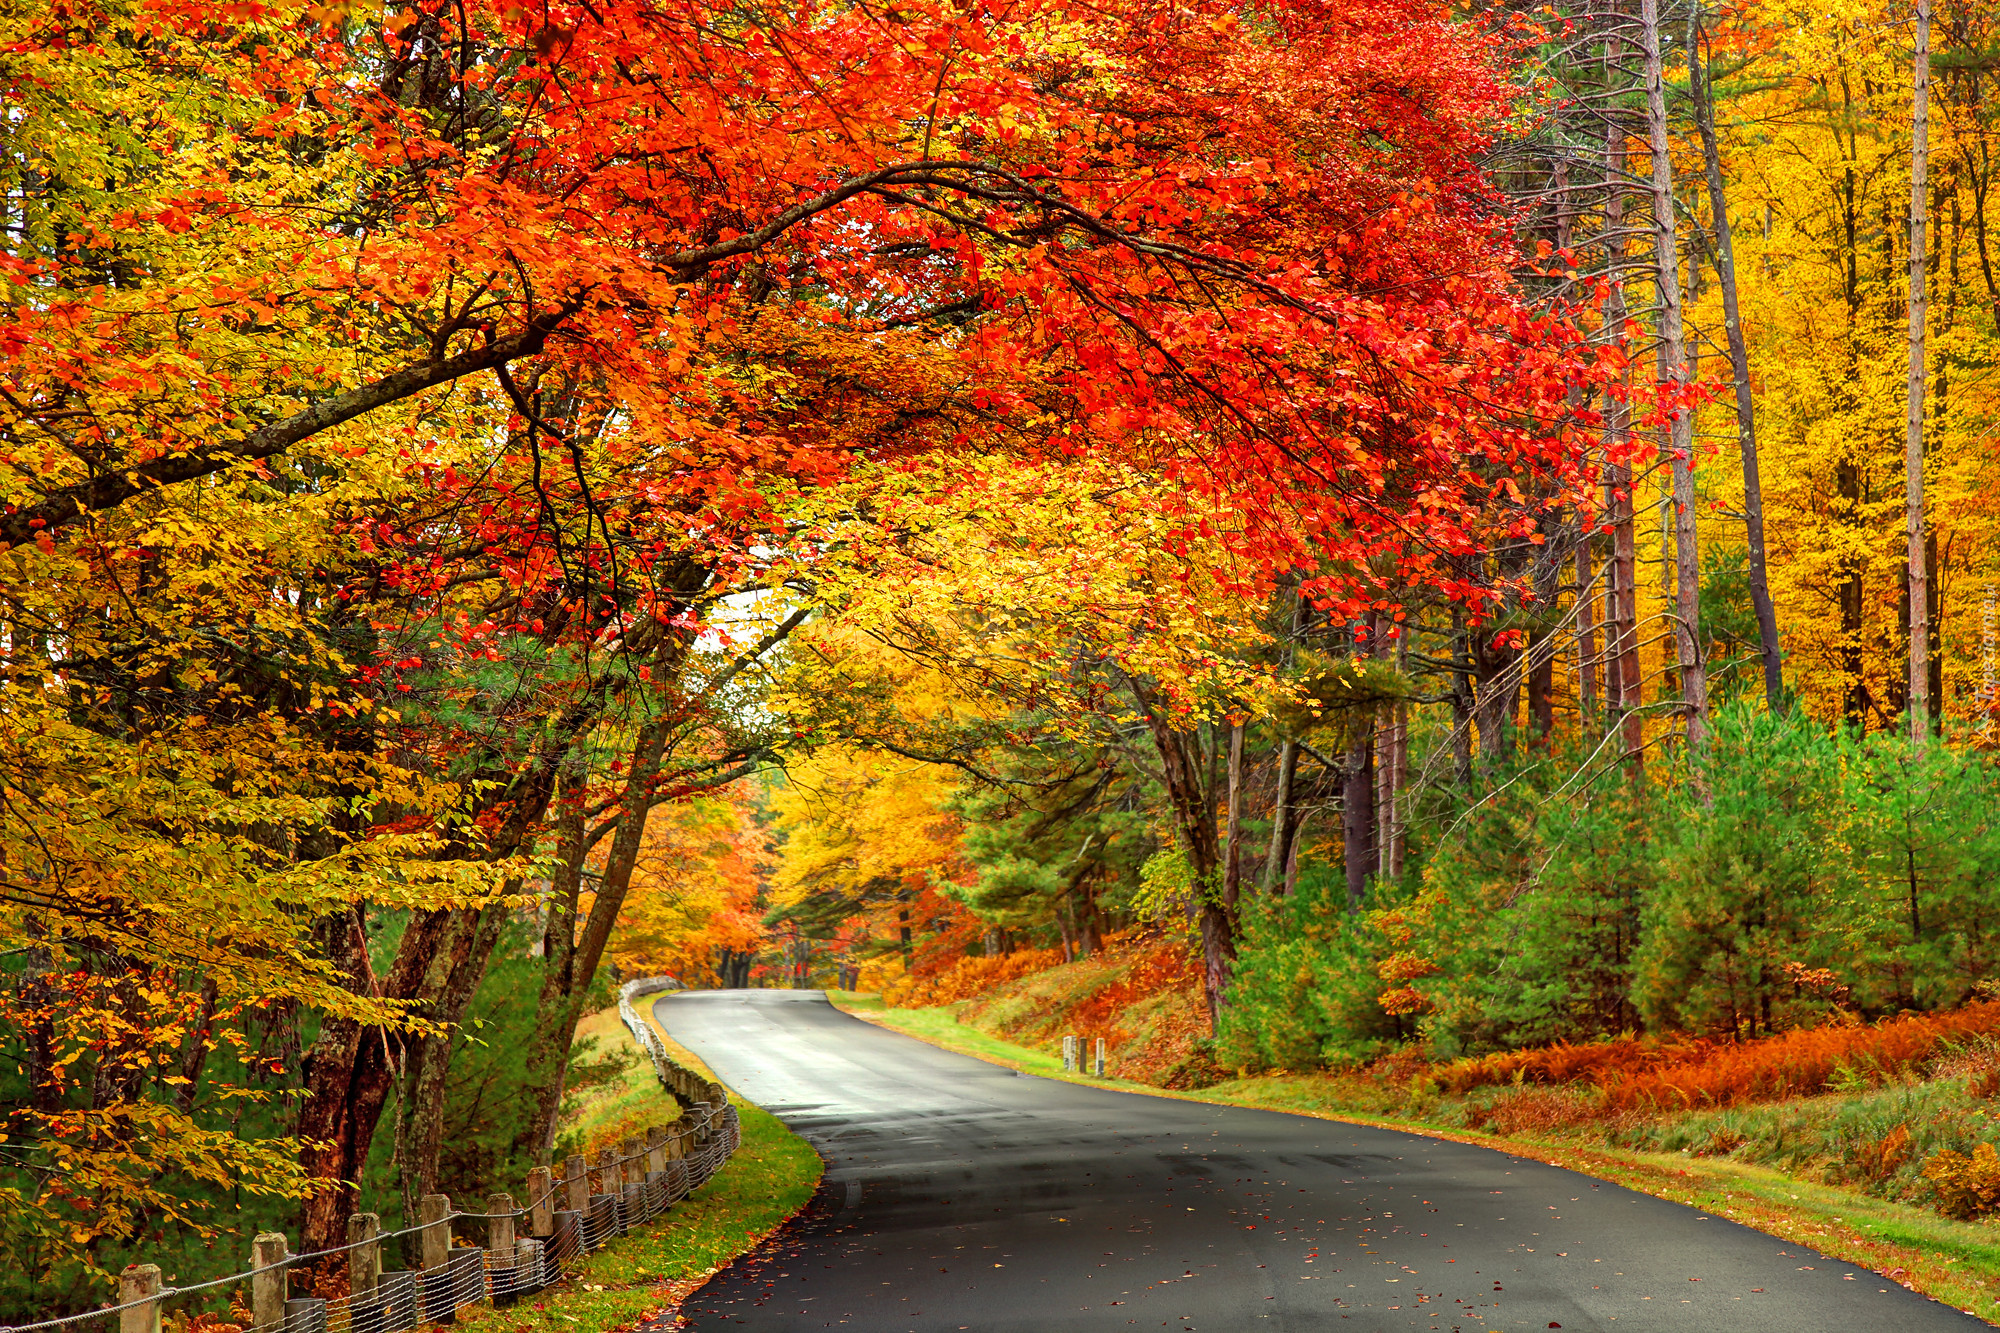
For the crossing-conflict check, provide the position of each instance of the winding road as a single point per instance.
(960, 1195)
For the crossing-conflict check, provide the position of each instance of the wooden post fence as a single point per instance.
(270, 1278)
(564, 1216)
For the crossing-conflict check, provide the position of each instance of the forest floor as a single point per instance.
(643, 1277)
(1695, 1158)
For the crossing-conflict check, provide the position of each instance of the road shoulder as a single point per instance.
(1957, 1263)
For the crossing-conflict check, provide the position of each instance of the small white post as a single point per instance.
(1099, 1071)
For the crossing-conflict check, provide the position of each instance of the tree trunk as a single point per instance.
(1194, 819)
(1461, 701)
(1674, 385)
(1623, 690)
(549, 1044)
(1739, 366)
(1357, 818)
(453, 978)
(1281, 817)
(564, 987)
(1292, 856)
(1542, 644)
(1913, 447)
(349, 1073)
(1586, 631)
(1497, 693)
(1232, 873)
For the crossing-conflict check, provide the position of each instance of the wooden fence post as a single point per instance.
(629, 1170)
(500, 1223)
(576, 1182)
(656, 1150)
(364, 1261)
(136, 1283)
(435, 1212)
(503, 1263)
(541, 1203)
(271, 1279)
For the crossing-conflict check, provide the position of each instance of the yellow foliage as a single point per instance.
(1966, 1185)
(1818, 164)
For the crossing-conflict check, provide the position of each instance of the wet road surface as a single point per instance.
(960, 1195)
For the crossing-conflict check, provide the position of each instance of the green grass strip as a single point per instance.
(768, 1179)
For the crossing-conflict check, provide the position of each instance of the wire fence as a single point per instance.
(518, 1249)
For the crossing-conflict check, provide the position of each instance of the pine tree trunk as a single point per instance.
(1680, 440)
(1621, 634)
(1586, 631)
(1739, 366)
(1913, 453)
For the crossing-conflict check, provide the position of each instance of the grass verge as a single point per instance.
(1954, 1262)
(612, 1110)
(645, 1276)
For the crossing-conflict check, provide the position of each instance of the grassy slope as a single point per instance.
(652, 1270)
(636, 1100)
(1955, 1262)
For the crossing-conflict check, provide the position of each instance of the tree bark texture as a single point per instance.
(1739, 368)
(1357, 818)
(1674, 385)
(1913, 446)
(1232, 874)
(1281, 817)
(1194, 818)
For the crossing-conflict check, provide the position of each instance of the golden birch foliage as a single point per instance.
(182, 796)
(1032, 587)
(1817, 156)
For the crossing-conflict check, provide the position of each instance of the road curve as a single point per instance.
(960, 1195)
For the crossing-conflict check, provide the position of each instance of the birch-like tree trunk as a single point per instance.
(1673, 385)
(1739, 366)
(1281, 818)
(1913, 440)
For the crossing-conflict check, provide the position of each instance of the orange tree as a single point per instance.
(391, 396)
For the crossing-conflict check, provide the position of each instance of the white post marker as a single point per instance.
(1099, 1070)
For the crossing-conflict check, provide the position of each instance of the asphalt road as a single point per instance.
(959, 1195)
